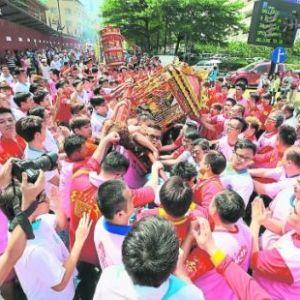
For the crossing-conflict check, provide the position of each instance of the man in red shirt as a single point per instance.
(212, 123)
(251, 106)
(11, 145)
(271, 159)
(62, 107)
(265, 107)
(211, 166)
(82, 126)
(267, 140)
(221, 97)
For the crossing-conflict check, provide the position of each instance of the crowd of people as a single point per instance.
(202, 209)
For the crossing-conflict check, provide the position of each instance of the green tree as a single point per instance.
(156, 24)
(138, 19)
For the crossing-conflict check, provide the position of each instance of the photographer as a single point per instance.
(17, 241)
(46, 253)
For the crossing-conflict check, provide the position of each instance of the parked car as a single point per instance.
(206, 64)
(250, 75)
(205, 55)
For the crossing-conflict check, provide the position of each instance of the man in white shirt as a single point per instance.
(55, 63)
(22, 85)
(236, 175)
(33, 130)
(150, 254)
(45, 68)
(6, 76)
(101, 112)
(80, 94)
(50, 143)
(7, 90)
(226, 144)
(289, 118)
(24, 103)
(115, 203)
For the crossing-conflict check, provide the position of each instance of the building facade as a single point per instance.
(23, 25)
(74, 18)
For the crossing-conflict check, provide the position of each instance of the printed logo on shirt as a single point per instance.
(241, 255)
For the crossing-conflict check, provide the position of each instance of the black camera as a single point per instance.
(46, 162)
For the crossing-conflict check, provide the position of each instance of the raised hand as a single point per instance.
(83, 228)
(5, 173)
(30, 191)
(113, 138)
(259, 213)
(203, 235)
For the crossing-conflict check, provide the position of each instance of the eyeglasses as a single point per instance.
(242, 157)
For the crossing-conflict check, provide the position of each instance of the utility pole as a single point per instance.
(59, 25)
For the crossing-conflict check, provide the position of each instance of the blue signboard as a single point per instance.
(279, 55)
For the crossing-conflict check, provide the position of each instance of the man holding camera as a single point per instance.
(17, 241)
(45, 253)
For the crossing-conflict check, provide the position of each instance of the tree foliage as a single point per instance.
(155, 25)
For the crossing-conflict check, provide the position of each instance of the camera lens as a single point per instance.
(46, 162)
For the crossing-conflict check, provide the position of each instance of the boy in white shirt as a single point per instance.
(101, 112)
(116, 206)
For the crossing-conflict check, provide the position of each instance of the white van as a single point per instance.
(206, 65)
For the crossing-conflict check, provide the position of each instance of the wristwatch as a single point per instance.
(22, 220)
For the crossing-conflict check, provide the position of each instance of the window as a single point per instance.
(20, 39)
(261, 69)
(28, 40)
(8, 38)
